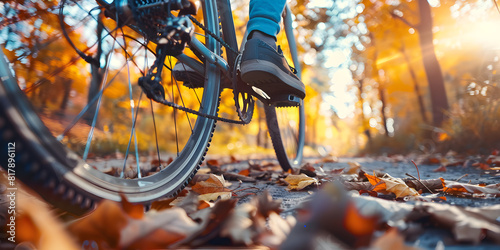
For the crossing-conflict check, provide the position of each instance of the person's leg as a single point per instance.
(263, 65)
(265, 17)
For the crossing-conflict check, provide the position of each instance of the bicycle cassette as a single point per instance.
(159, 25)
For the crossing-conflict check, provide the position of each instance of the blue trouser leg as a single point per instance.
(265, 16)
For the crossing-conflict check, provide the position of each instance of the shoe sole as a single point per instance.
(270, 78)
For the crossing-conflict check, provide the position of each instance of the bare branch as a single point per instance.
(404, 20)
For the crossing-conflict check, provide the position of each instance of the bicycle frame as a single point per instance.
(222, 64)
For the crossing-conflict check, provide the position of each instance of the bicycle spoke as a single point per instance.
(172, 79)
(89, 104)
(91, 133)
(156, 134)
(131, 99)
(122, 175)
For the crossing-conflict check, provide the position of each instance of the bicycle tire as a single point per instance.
(65, 180)
(288, 143)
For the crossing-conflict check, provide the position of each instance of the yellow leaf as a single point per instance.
(398, 187)
(215, 196)
(299, 182)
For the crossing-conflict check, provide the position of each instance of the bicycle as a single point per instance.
(57, 167)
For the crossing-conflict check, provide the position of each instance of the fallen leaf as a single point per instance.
(388, 183)
(214, 184)
(36, 224)
(162, 204)
(354, 168)
(378, 185)
(391, 239)
(299, 182)
(337, 171)
(103, 225)
(457, 188)
(440, 169)
(398, 187)
(215, 196)
(158, 229)
(135, 211)
(467, 224)
(245, 172)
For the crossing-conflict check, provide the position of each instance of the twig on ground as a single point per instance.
(430, 191)
(459, 178)
(418, 172)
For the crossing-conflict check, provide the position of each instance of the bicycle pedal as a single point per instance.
(286, 100)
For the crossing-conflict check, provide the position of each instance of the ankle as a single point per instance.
(270, 40)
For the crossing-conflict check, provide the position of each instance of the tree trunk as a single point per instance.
(432, 68)
(364, 123)
(415, 86)
(67, 89)
(97, 74)
(379, 74)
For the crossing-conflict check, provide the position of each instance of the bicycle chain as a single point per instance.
(191, 111)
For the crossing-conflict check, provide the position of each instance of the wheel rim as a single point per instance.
(185, 151)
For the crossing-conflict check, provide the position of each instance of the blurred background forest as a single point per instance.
(382, 76)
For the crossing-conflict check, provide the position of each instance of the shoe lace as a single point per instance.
(291, 68)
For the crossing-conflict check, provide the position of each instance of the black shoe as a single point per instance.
(266, 69)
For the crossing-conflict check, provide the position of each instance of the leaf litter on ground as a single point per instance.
(379, 211)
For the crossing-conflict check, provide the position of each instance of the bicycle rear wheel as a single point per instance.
(286, 128)
(100, 155)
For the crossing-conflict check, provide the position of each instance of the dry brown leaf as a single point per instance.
(467, 224)
(390, 184)
(354, 168)
(103, 225)
(240, 226)
(215, 196)
(157, 229)
(162, 204)
(329, 159)
(461, 188)
(337, 171)
(245, 172)
(214, 163)
(39, 226)
(211, 224)
(213, 184)
(299, 182)
(135, 211)
(391, 239)
(440, 169)
(398, 187)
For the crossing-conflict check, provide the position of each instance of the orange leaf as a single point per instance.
(376, 183)
(135, 211)
(357, 224)
(337, 171)
(103, 225)
(442, 198)
(214, 163)
(434, 160)
(162, 204)
(203, 204)
(440, 169)
(484, 166)
(245, 172)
